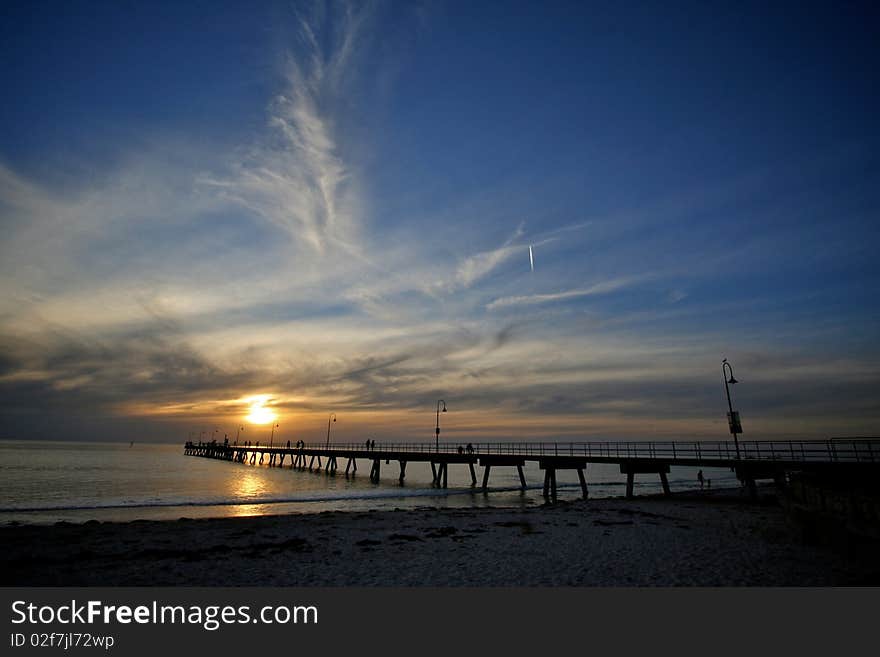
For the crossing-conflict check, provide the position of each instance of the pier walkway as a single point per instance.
(755, 459)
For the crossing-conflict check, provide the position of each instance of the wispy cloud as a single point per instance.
(300, 181)
(604, 287)
(476, 266)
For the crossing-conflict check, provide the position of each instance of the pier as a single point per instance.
(755, 460)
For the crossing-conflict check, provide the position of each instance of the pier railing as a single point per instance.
(855, 450)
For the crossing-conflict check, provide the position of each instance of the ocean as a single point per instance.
(47, 482)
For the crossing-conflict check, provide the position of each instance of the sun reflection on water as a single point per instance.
(250, 485)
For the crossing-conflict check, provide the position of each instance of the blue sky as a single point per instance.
(328, 207)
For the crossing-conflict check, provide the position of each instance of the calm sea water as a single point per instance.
(45, 482)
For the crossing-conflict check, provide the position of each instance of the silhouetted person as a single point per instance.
(368, 445)
(373, 444)
(700, 478)
(470, 448)
(460, 449)
(288, 444)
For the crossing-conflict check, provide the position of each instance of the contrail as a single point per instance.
(531, 258)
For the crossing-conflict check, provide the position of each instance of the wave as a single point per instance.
(325, 497)
(377, 495)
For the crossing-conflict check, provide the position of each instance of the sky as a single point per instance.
(302, 208)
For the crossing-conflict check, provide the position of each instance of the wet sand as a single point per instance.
(689, 540)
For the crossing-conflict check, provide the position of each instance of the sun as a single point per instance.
(259, 414)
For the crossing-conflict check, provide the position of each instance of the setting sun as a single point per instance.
(259, 414)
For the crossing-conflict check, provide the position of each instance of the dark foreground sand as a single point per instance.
(688, 540)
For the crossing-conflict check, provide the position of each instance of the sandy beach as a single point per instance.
(689, 540)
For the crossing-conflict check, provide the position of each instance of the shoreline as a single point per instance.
(300, 506)
(689, 539)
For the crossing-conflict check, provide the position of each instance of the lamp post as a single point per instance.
(437, 429)
(272, 435)
(238, 431)
(732, 418)
(329, 417)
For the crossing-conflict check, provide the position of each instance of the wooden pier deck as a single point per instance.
(756, 459)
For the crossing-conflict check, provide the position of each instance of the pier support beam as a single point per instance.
(440, 474)
(402, 472)
(374, 473)
(434, 472)
(522, 477)
(486, 469)
(550, 482)
(633, 467)
(752, 488)
(583, 483)
(749, 473)
(665, 482)
(473, 474)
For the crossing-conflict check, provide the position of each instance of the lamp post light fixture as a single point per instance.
(437, 429)
(732, 416)
(238, 431)
(272, 435)
(330, 417)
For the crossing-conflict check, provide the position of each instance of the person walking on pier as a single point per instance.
(288, 444)
(700, 478)
(470, 448)
(367, 444)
